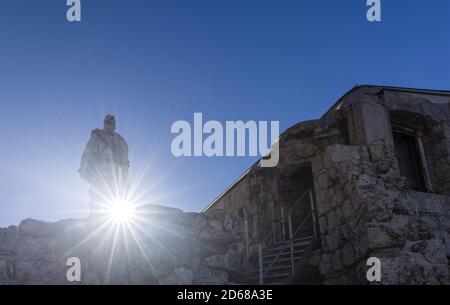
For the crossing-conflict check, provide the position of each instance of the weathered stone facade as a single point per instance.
(376, 168)
(363, 203)
(364, 211)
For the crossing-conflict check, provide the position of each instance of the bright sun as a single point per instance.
(121, 211)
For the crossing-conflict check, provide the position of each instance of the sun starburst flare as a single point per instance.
(121, 211)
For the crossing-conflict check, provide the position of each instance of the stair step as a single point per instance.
(280, 260)
(296, 243)
(281, 269)
(298, 246)
(298, 239)
(297, 253)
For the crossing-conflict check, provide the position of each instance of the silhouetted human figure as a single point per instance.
(105, 165)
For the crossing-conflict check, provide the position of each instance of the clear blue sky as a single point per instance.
(154, 62)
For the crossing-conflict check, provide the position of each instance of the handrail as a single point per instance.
(260, 239)
(287, 244)
(303, 260)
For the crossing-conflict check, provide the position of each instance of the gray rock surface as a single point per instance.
(165, 246)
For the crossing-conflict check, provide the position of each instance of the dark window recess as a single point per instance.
(409, 161)
(241, 213)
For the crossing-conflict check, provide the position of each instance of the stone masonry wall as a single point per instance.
(364, 211)
(437, 150)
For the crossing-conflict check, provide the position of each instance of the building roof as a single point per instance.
(350, 96)
(345, 100)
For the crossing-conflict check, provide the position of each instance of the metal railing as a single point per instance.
(261, 240)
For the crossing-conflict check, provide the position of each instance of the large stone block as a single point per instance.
(381, 236)
(368, 123)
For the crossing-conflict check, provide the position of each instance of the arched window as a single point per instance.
(410, 161)
(410, 131)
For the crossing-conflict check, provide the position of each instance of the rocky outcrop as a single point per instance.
(161, 246)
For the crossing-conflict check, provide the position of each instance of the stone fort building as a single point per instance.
(370, 178)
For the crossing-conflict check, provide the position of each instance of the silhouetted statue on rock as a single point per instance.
(104, 165)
